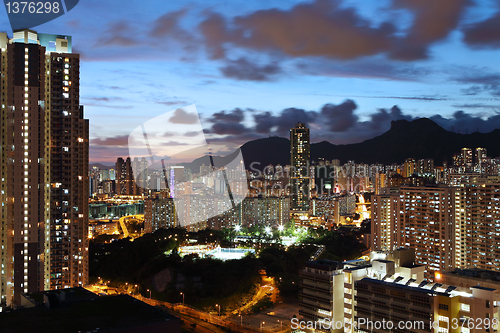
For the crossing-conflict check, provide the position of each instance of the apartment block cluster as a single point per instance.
(389, 293)
(448, 226)
(44, 165)
(164, 213)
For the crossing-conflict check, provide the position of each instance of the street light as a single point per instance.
(281, 323)
(182, 298)
(241, 319)
(262, 324)
(237, 228)
(219, 308)
(280, 228)
(149, 293)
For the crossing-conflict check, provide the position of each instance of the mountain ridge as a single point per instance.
(419, 138)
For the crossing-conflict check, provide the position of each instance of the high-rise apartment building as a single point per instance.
(480, 155)
(299, 167)
(467, 157)
(271, 212)
(44, 164)
(425, 167)
(427, 225)
(423, 219)
(159, 213)
(125, 183)
(449, 227)
(386, 234)
(140, 172)
(477, 220)
(409, 168)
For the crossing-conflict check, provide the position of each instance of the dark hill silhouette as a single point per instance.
(420, 138)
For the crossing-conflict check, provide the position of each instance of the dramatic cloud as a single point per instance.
(467, 123)
(338, 124)
(267, 123)
(182, 117)
(484, 34)
(168, 24)
(340, 117)
(234, 116)
(328, 29)
(380, 120)
(228, 128)
(433, 21)
(227, 123)
(322, 28)
(242, 69)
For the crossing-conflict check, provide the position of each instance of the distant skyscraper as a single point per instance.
(44, 164)
(480, 155)
(467, 157)
(299, 167)
(112, 174)
(409, 167)
(140, 172)
(425, 167)
(125, 183)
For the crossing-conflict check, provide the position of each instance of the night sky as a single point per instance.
(254, 68)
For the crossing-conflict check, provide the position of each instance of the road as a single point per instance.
(201, 326)
(267, 287)
(128, 217)
(206, 320)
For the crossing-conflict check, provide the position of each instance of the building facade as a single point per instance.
(44, 162)
(125, 183)
(299, 167)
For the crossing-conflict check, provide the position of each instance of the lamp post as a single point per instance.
(262, 324)
(219, 308)
(149, 293)
(281, 323)
(182, 298)
(241, 319)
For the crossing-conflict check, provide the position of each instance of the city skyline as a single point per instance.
(269, 164)
(220, 57)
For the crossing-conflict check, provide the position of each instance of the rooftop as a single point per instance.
(107, 312)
